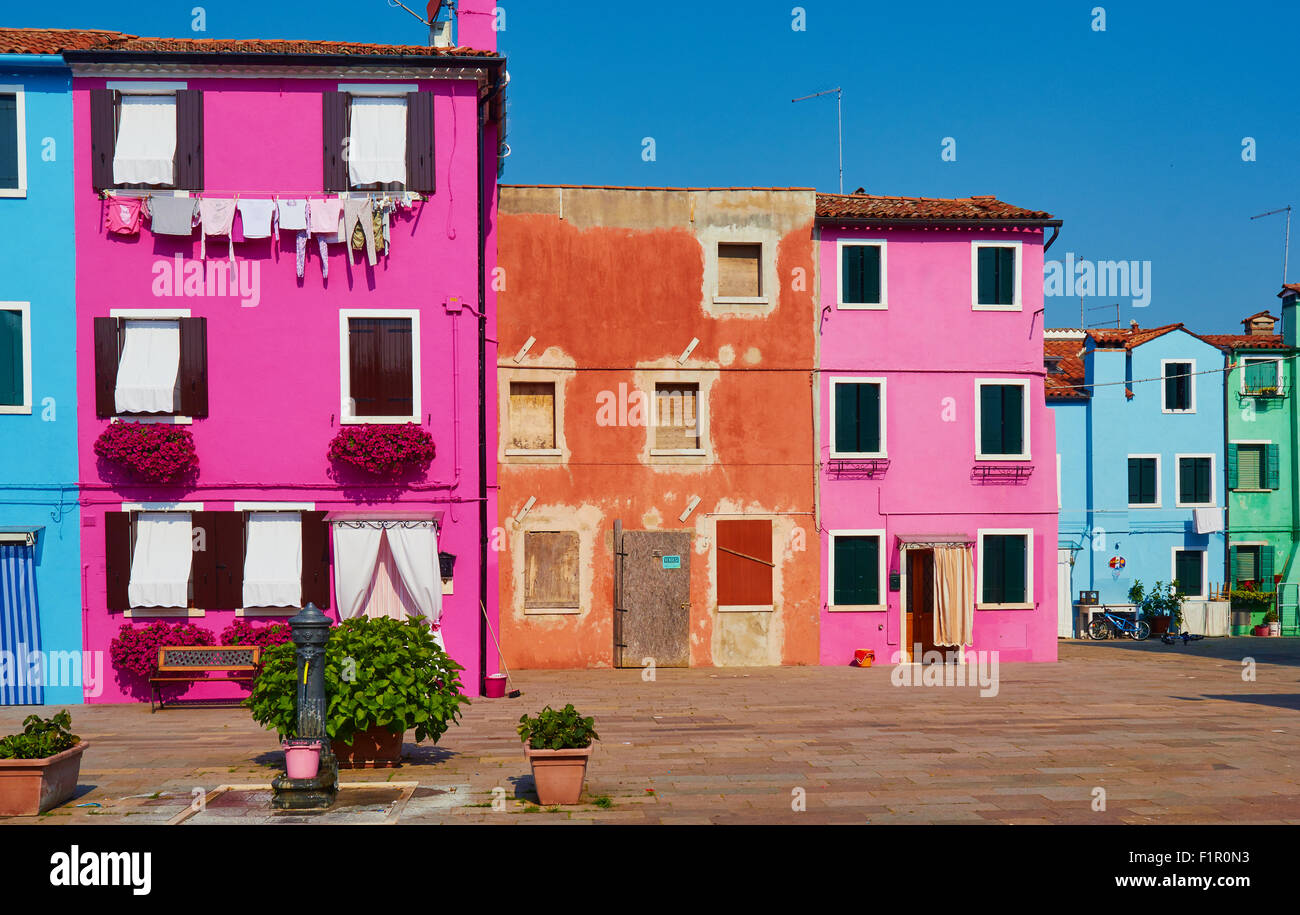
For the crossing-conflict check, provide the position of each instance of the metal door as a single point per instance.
(653, 601)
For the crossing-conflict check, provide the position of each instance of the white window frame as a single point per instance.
(1191, 386)
(884, 419)
(1017, 303)
(1028, 533)
(1178, 482)
(188, 508)
(24, 310)
(1245, 360)
(882, 244)
(1263, 463)
(150, 87)
(881, 573)
(1025, 413)
(19, 92)
(701, 416)
(345, 381)
(374, 90)
(151, 314)
(1159, 487)
(1205, 568)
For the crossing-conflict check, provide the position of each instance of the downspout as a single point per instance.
(482, 409)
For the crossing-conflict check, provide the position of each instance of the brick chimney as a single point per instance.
(1260, 325)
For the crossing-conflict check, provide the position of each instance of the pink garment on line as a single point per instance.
(323, 216)
(217, 217)
(124, 215)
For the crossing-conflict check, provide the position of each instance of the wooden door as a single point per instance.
(655, 599)
(919, 622)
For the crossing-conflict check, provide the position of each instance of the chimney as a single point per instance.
(477, 22)
(1260, 325)
(1133, 325)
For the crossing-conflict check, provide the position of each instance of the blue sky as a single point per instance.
(1133, 135)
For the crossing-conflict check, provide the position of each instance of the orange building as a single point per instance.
(657, 450)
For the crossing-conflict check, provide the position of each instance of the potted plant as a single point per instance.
(1272, 625)
(155, 452)
(39, 767)
(382, 678)
(558, 746)
(1161, 607)
(1248, 605)
(383, 450)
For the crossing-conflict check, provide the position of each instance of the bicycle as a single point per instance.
(1103, 626)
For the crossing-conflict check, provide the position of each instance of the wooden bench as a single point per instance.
(193, 663)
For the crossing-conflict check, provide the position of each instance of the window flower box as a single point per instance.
(383, 451)
(156, 452)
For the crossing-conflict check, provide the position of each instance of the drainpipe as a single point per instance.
(482, 412)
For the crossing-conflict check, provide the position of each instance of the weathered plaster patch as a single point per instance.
(752, 355)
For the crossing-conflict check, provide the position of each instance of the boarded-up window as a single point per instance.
(550, 570)
(745, 563)
(532, 415)
(677, 417)
(740, 270)
(380, 374)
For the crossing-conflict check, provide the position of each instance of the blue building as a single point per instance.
(41, 659)
(1140, 438)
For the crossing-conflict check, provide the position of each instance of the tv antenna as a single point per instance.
(433, 13)
(1106, 308)
(839, 119)
(1286, 240)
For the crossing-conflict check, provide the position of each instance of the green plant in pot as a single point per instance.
(1272, 624)
(383, 677)
(1161, 607)
(558, 746)
(40, 765)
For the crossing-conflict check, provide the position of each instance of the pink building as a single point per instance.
(223, 334)
(938, 497)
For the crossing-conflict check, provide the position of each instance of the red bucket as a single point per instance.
(863, 657)
(496, 686)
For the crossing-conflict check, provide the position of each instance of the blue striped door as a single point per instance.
(20, 626)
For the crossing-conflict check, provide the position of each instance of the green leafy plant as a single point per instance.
(1271, 616)
(41, 738)
(378, 673)
(1162, 600)
(552, 730)
(1251, 598)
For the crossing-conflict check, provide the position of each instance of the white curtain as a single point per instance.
(146, 373)
(377, 145)
(145, 151)
(160, 566)
(415, 550)
(273, 560)
(954, 596)
(356, 550)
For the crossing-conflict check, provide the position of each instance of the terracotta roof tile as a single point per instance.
(1288, 288)
(133, 44)
(1068, 384)
(52, 41)
(872, 206)
(1245, 341)
(1129, 337)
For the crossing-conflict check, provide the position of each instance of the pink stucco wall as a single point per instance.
(930, 346)
(274, 368)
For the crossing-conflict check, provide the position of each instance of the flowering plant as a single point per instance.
(382, 450)
(136, 648)
(242, 632)
(154, 451)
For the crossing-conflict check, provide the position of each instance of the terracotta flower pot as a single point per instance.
(32, 786)
(558, 774)
(1261, 629)
(373, 748)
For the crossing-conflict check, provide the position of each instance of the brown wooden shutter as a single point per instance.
(551, 569)
(117, 560)
(189, 139)
(745, 563)
(315, 560)
(194, 367)
(335, 108)
(106, 355)
(203, 570)
(419, 142)
(103, 136)
(380, 373)
(229, 559)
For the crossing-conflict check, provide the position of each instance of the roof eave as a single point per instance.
(931, 221)
(232, 58)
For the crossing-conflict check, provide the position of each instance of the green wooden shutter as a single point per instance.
(1150, 486)
(1234, 565)
(1006, 260)
(1013, 419)
(9, 151)
(1260, 375)
(11, 358)
(871, 274)
(846, 417)
(1232, 466)
(868, 418)
(990, 419)
(857, 566)
(1134, 481)
(853, 269)
(1266, 568)
(1016, 574)
(991, 558)
(1272, 468)
(986, 263)
(870, 566)
(1202, 479)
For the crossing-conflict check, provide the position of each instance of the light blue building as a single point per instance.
(1140, 434)
(40, 547)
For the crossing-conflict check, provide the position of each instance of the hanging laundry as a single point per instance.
(324, 216)
(124, 215)
(172, 215)
(292, 214)
(218, 217)
(378, 222)
(256, 217)
(300, 254)
(358, 216)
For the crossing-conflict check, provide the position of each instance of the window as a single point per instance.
(744, 565)
(161, 560)
(1195, 480)
(995, 268)
(857, 570)
(676, 417)
(146, 135)
(1254, 466)
(1261, 375)
(380, 366)
(1002, 424)
(1006, 576)
(151, 363)
(551, 571)
(378, 137)
(859, 411)
(1143, 480)
(740, 270)
(532, 415)
(1180, 393)
(1252, 564)
(13, 142)
(862, 274)
(15, 357)
(273, 560)
(1189, 572)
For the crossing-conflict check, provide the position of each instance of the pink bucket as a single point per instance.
(496, 686)
(301, 758)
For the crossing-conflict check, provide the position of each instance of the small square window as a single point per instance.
(377, 143)
(13, 158)
(856, 561)
(1004, 565)
(1002, 421)
(1195, 481)
(995, 285)
(862, 273)
(551, 570)
(677, 417)
(145, 151)
(1178, 387)
(1143, 481)
(859, 415)
(381, 375)
(15, 358)
(532, 415)
(740, 270)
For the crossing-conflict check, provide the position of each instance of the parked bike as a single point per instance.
(1108, 624)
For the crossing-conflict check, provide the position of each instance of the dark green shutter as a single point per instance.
(1006, 261)
(1141, 481)
(1187, 571)
(846, 418)
(1013, 591)
(986, 262)
(854, 270)
(11, 358)
(990, 419)
(1134, 482)
(1150, 486)
(991, 549)
(871, 274)
(1013, 421)
(9, 151)
(1233, 571)
(857, 564)
(1272, 468)
(1232, 466)
(1266, 568)
(1202, 479)
(869, 418)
